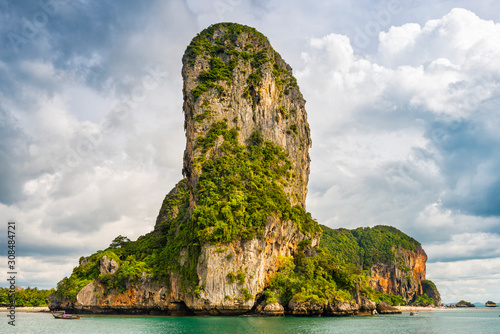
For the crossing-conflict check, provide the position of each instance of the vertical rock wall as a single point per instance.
(249, 86)
(403, 278)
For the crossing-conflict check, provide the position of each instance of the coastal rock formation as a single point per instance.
(464, 303)
(270, 309)
(489, 303)
(430, 289)
(253, 259)
(360, 305)
(385, 308)
(274, 309)
(396, 261)
(241, 203)
(145, 297)
(404, 277)
(233, 237)
(309, 307)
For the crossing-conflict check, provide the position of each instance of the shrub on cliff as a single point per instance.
(242, 186)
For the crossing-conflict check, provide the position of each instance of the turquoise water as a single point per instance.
(445, 321)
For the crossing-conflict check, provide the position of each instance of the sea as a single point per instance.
(477, 320)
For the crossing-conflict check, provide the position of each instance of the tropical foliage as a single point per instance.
(389, 299)
(365, 246)
(29, 297)
(315, 275)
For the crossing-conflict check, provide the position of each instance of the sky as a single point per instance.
(402, 100)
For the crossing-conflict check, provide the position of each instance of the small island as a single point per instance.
(489, 303)
(463, 303)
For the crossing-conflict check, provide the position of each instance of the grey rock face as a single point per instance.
(298, 307)
(107, 266)
(275, 309)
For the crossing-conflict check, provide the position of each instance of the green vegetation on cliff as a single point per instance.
(366, 246)
(392, 300)
(318, 276)
(224, 55)
(240, 188)
(315, 275)
(430, 289)
(129, 271)
(203, 43)
(464, 303)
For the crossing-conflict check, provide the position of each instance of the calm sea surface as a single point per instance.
(441, 321)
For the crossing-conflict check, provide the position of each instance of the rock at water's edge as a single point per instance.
(385, 308)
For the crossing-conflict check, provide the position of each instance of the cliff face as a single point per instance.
(232, 74)
(403, 277)
(396, 262)
(234, 274)
(430, 289)
(237, 90)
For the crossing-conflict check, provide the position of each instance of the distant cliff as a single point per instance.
(395, 261)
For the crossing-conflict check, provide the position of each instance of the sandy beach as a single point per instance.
(27, 309)
(418, 308)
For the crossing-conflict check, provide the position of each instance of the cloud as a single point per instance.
(92, 131)
(442, 135)
(465, 246)
(407, 136)
(471, 280)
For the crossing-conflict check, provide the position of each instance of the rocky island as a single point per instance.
(464, 303)
(233, 236)
(489, 303)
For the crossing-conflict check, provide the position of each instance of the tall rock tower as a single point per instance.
(221, 230)
(246, 165)
(232, 74)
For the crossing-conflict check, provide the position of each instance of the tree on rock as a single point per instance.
(119, 242)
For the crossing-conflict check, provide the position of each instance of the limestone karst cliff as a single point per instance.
(241, 204)
(233, 76)
(233, 236)
(403, 277)
(395, 261)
